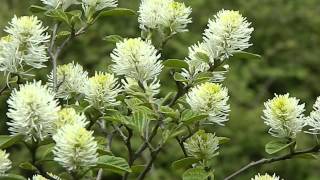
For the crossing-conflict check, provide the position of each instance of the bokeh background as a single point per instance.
(287, 35)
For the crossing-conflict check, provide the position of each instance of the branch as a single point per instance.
(146, 143)
(154, 155)
(55, 55)
(271, 160)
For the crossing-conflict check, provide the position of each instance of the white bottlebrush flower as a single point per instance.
(137, 59)
(210, 98)
(75, 147)
(227, 33)
(164, 14)
(91, 6)
(102, 90)
(202, 145)
(71, 80)
(177, 17)
(151, 13)
(9, 57)
(284, 115)
(33, 111)
(28, 29)
(70, 116)
(265, 177)
(24, 45)
(38, 177)
(314, 119)
(5, 163)
(64, 4)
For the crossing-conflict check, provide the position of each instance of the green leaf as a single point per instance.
(195, 174)
(189, 117)
(178, 77)
(115, 164)
(184, 163)
(223, 140)
(195, 118)
(43, 152)
(103, 151)
(176, 63)
(113, 39)
(28, 166)
(277, 146)
(58, 15)
(246, 56)
(309, 156)
(203, 77)
(137, 168)
(116, 12)
(11, 177)
(203, 57)
(75, 15)
(169, 111)
(7, 141)
(139, 122)
(37, 9)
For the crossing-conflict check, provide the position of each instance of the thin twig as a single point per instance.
(130, 151)
(271, 160)
(99, 176)
(52, 56)
(154, 155)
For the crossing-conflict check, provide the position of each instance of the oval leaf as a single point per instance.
(43, 152)
(37, 9)
(115, 164)
(246, 56)
(184, 163)
(28, 166)
(113, 38)
(195, 174)
(277, 146)
(116, 12)
(137, 168)
(7, 141)
(176, 63)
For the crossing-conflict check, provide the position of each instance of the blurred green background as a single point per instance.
(287, 35)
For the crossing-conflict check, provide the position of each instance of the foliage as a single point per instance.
(289, 58)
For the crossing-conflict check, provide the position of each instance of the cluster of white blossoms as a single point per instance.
(229, 32)
(70, 116)
(160, 14)
(202, 145)
(64, 4)
(137, 59)
(33, 111)
(24, 45)
(102, 90)
(71, 80)
(75, 147)
(314, 119)
(212, 99)
(5, 163)
(265, 177)
(284, 115)
(91, 6)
